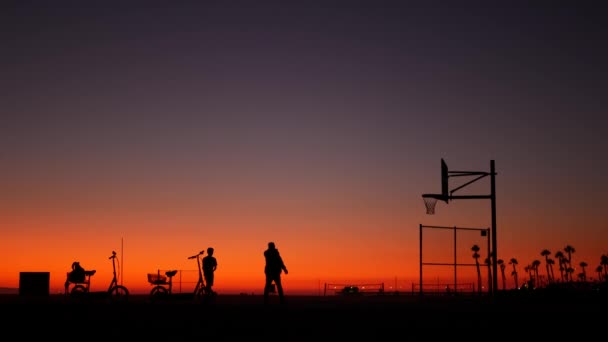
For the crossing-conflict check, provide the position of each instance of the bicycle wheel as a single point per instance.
(119, 293)
(78, 291)
(158, 292)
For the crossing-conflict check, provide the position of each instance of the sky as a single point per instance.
(159, 129)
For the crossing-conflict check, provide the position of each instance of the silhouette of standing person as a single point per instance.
(272, 270)
(209, 267)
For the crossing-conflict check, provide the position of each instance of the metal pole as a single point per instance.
(122, 264)
(494, 247)
(455, 277)
(489, 260)
(420, 259)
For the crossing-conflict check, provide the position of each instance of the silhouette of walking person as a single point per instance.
(272, 270)
(209, 267)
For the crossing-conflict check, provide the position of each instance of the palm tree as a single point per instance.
(604, 263)
(501, 263)
(569, 272)
(551, 262)
(529, 273)
(560, 258)
(583, 273)
(513, 262)
(476, 256)
(569, 250)
(546, 253)
(535, 264)
(599, 270)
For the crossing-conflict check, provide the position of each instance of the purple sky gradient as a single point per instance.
(265, 102)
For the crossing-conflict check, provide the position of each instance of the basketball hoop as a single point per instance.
(430, 200)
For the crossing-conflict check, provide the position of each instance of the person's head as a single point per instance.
(271, 245)
(210, 251)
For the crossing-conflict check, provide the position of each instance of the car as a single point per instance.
(350, 290)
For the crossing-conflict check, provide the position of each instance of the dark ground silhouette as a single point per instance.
(305, 318)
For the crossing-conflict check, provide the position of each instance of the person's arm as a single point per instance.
(283, 266)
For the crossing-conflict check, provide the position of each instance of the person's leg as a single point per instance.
(267, 288)
(277, 282)
(209, 282)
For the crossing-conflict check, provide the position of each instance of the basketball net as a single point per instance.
(429, 203)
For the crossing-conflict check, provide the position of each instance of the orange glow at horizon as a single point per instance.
(337, 258)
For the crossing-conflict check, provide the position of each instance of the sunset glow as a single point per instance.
(159, 132)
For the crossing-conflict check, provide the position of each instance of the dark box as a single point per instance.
(34, 283)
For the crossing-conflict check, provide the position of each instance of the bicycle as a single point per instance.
(116, 291)
(82, 287)
(200, 290)
(162, 287)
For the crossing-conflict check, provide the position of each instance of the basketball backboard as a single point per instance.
(444, 179)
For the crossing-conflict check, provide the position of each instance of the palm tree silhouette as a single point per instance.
(501, 263)
(535, 281)
(560, 258)
(513, 262)
(528, 271)
(546, 253)
(569, 250)
(551, 262)
(476, 256)
(599, 270)
(604, 264)
(583, 274)
(569, 272)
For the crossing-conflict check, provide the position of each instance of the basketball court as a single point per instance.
(447, 195)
